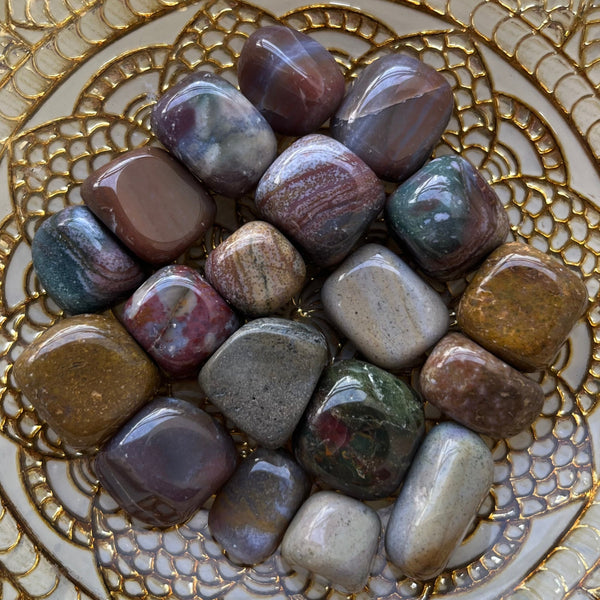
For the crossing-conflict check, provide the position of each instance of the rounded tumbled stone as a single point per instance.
(360, 430)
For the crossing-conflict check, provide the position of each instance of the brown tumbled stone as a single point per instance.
(521, 305)
(85, 376)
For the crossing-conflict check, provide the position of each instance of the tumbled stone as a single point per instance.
(80, 264)
(166, 462)
(256, 269)
(394, 115)
(251, 512)
(178, 318)
(360, 430)
(450, 477)
(448, 217)
(292, 79)
(521, 305)
(216, 132)
(85, 376)
(151, 203)
(473, 387)
(334, 538)
(384, 307)
(322, 196)
(262, 377)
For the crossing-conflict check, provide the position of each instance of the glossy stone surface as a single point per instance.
(263, 376)
(151, 203)
(178, 318)
(334, 538)
(384, 307)
(256, 269)
(322, 196)
(360, 430)
(521, 305)
(80, 264)
(448, 217)
(251, 512)
(475, 388)
(450, 477)
(292, 79)
(166, 462)
(216, 132)
(85, 376)
(394, 114)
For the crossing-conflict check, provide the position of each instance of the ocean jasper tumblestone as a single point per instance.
(178, 318)
(521, 305)
(251, 512)
(166, 462)
(475, 388)
(81, 264)
(394, 115)
(384, 307)
(263, 376)
(360, 430)
(216, 132)
(85, 376)
(151, 203)
(256, 269)
(322, 196)
(292, 79)
(448, 217)
(451, 475)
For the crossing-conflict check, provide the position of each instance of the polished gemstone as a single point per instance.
(322, 196)
(292, 79)
(394, 115)
(334, 538)
(85, 376)
(178, 318)
(216, 132)
(521, 305)
(360, 430)
(166, 462)
(384, 307)
(151, 203)
(475, 388)
(263, 376)
(256, 269)
(448, 217)
(450, 477)
(80, 264)
(251, 512)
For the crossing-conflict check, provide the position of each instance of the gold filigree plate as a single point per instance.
(78, 79)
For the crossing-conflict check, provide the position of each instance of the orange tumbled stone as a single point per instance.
(85, 376)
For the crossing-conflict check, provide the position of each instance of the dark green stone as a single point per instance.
(360, 430)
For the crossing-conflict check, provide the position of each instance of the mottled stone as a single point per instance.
(292, 79)
(166, 462)
(216, 132)
(334, 538)
(178, 318)
(384, 307)
(450, 477)
(394, 115)
(322, 196)
(475, 388)
(521, 305)
(256, 269)
(448, 217)
(360, 430)
(151, 203)
(80, 264)
(262, 377)
(250, 514)
(85, 376)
